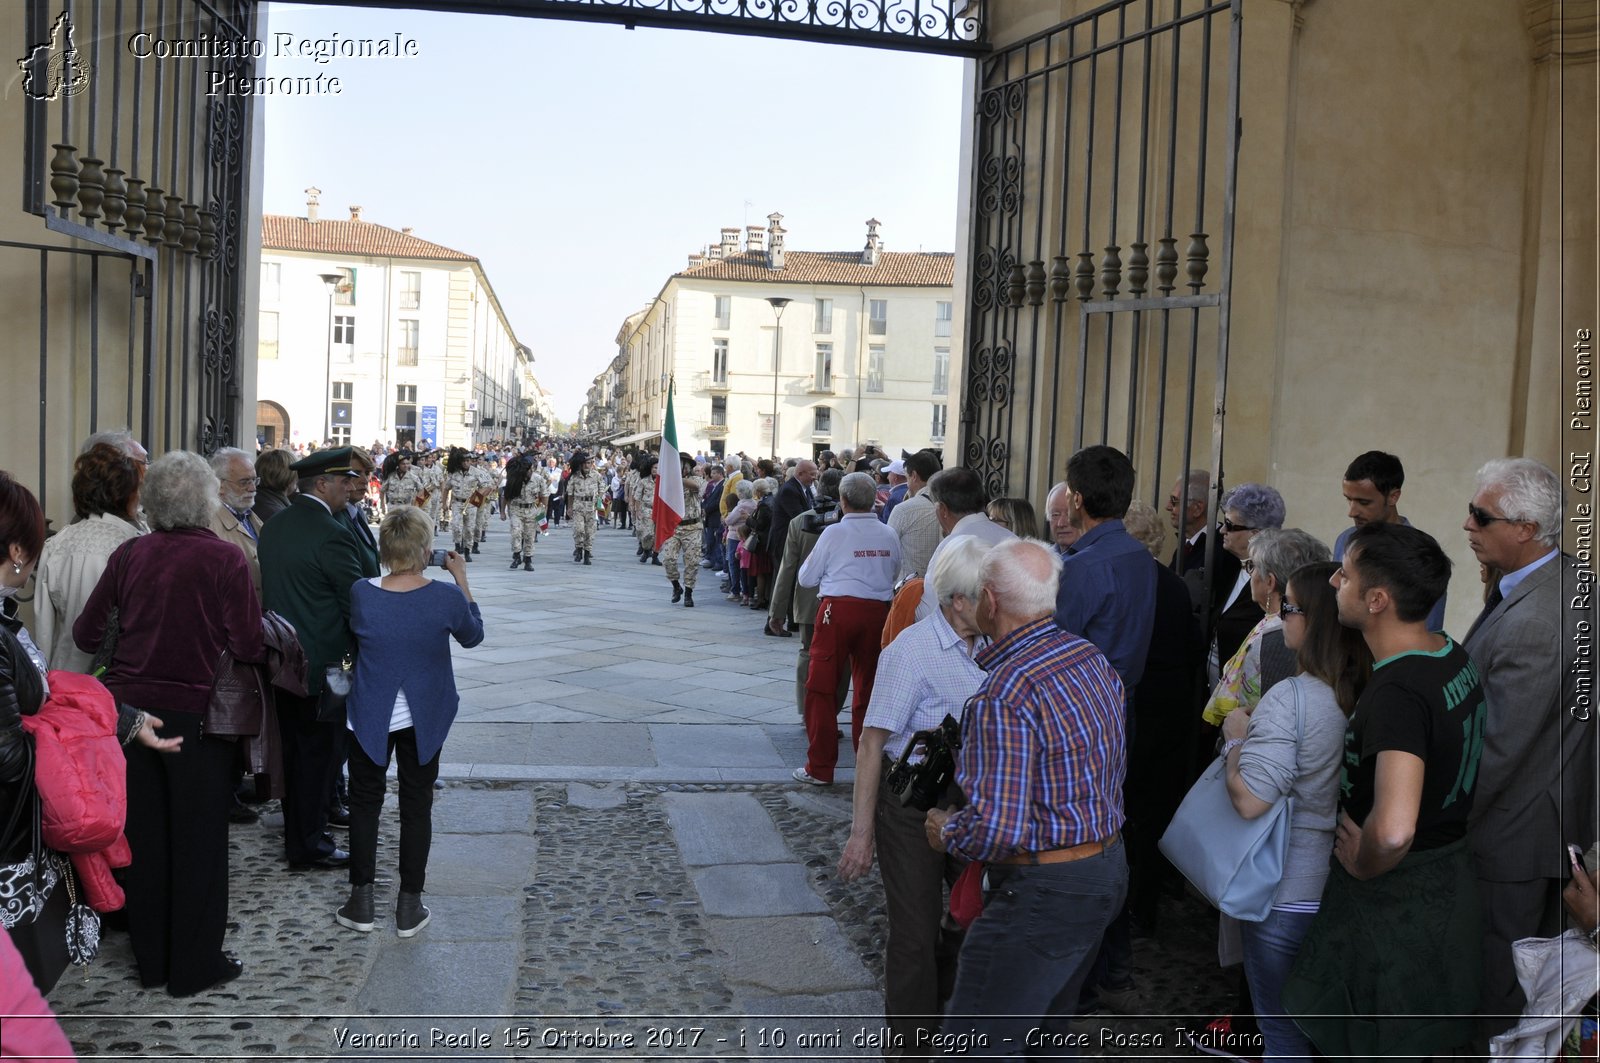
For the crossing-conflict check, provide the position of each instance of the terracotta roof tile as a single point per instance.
(283, 232)
(918, 269)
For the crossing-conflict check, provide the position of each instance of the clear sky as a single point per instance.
(583, 163)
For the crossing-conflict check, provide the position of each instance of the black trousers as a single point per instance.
(310, 759)
(619, 510)
(416, 810)
(177, 884)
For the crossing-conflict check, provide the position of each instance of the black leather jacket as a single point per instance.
(21, 694)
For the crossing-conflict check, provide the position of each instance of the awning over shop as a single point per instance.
(637, 437)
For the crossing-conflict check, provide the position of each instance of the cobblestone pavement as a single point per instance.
(621, 868)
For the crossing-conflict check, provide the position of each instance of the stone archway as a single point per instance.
(272, 424)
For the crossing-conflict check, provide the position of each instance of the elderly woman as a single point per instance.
(402, 702)
(923, 676)
(180, 596)
(1262, 659)
(1016, 515)
(738, 516)
(1270, 756)
(758, 562)
(105, 505)
(1248, 509)
(277, 482)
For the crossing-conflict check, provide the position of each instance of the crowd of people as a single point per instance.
(1032, 690)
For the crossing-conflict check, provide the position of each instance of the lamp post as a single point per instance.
(331, 281)
(778, 303)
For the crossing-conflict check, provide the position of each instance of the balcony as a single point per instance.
(712, 383)
(716, 430)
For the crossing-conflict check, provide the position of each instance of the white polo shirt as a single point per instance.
(855, 558)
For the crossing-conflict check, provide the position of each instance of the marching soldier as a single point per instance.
(643, 507)
(584, 488)
(489, 485)
(464, 501)
(630, 493)
(523, 504)
(403, 484)
(682, 550)
(432, 474)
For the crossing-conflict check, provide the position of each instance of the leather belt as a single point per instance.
(1062, 856)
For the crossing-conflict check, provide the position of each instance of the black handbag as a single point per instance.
(35, 905)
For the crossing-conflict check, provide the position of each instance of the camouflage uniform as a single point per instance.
(433, 483)
(402, 490)
(685, 541)
(489, 484)
(464, 519)
(643, 505)
(583, 493)
(526, 511)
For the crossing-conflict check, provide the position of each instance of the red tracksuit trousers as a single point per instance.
(848, 634)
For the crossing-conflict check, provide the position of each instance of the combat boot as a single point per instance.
(688, 597)
(516, 559)
(577, 554)
(527, 563)
(644, 556)
(677, 592)
(466, 555)
(410, 914)
(587, 558)
(357, 911)
(655, 558)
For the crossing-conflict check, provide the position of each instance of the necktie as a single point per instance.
(1494, 599)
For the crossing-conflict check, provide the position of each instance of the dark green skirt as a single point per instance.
(1390, 965)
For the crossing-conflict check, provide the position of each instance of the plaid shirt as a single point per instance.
(1043, 752)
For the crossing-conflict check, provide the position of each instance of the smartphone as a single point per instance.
(438, 558)
(1575, 856)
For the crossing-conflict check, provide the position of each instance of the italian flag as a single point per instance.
(667, 508)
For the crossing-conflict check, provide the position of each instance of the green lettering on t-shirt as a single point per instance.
(1471, 751)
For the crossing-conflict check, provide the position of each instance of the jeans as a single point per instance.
(1024, 959)
(1270, 947)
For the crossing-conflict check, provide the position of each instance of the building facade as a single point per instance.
(370, 333)
(788, 352)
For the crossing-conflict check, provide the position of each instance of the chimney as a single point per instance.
(355, 213)
(696, 259)
(869, 254)
(730, 241)
(754, 239)
(407, 231)
(713, 252)
(775, 240)
(311, 203)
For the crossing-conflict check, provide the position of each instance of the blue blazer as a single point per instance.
(403, 642)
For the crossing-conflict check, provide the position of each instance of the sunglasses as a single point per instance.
(1230, 526)
(1249, 565)
(1290, 609)
(1483, 518)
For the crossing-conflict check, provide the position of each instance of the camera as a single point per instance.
(438, 558)
(919, 784)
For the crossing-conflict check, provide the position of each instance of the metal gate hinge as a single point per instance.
(141, 289)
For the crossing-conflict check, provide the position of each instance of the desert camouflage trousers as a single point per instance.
(583, 524)
(524, 519)
(684, 544)
(464, 523)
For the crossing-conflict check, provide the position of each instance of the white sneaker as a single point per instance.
(801, 775)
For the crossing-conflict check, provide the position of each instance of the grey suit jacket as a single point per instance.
(1536, 780)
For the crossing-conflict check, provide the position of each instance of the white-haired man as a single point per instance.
(1535, 787)
(1042, 763)
(233, 522)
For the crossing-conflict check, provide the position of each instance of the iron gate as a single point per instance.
(1104, 154)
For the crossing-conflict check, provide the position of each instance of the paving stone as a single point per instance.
(790, 954)
(471, 741)
(483, 812)
(429, 975)
(729, 745)
(753, 890)
(583, 795)
(836, 807)
(579, 744)
(724, 829)
(479, 865)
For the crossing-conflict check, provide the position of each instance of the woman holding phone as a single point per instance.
(402, 702)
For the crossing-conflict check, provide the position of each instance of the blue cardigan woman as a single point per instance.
(402, 702)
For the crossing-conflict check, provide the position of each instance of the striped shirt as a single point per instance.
(1043, 754)
(924, 675)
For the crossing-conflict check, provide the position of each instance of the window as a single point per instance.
(719, 410)
(724, 310)
(344, 328)
(267, 335)
(341, 409)
(940, 412)
(824, 377)
(719, 361)
(405, 415)
(823, 421)
(411, 290)
(343, 390)
(941, 370)
(878, 318)
(875, 356)
(344, 293)
(824, 316)
(405, 393)
(271, 282)
(409, 328)
(941, 319)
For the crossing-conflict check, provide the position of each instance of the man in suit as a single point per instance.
(309, 561)
(356, 517)
(795, 496)
(1537, 773)
(1196, 540)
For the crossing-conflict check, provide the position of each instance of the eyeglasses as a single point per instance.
(1249, 565)
(1230, 526)
(1483, 518)
(246, 481)
(1290, 609)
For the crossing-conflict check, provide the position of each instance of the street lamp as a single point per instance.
(331, 281)
(778, 303)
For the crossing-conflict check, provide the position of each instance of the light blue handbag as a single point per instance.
(1235, 863)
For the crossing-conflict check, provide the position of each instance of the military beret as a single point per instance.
(335, 462)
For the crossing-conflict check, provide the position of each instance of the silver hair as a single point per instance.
(1015, 571)
(959, 569)
(1281, 552)
(180, 491)
(764, 486)
(744, 489)
(1258, 505)
(858, 491)
(224, 455)
(121, 438)
(1529, 490)
(1145, 524)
